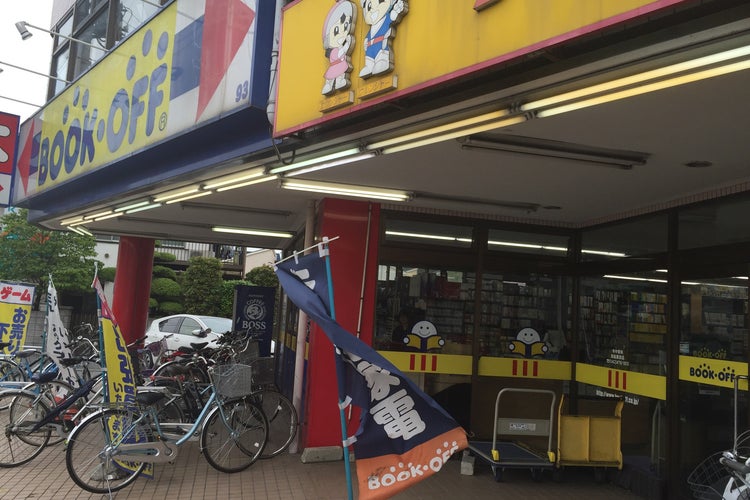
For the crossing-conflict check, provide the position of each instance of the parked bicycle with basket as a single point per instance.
(109, 449)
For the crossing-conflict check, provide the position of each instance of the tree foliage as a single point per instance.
(202, 286)
(262, 276)
(226, 309)
(30, 253)
(166, 291)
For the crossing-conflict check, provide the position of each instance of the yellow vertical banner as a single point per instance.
(120, 386)
(120, 383)
(16, 300)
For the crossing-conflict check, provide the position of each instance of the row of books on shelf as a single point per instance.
(714, 318)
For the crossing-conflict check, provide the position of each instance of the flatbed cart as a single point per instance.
(589, 441)
(504, 454)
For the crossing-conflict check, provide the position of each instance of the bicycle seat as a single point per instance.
(149, 397)
(4, 345)
(26, 353)
(735, 464)
(41, 378)
(198, 345)
(74, 360)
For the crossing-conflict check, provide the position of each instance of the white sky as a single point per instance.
(34, 54)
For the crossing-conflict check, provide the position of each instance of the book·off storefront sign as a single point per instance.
(337, 58)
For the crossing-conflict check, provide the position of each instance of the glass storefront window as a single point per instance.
(623, 322)
(713, 348)
(524, 242)
(521, 316)
(427, 310)
(714, 319)
(720, 223)
(642, 236)
(410, 231)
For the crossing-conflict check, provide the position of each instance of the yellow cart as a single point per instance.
(589, 441)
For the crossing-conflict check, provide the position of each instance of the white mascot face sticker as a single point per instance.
(424, 329)
(529, 336)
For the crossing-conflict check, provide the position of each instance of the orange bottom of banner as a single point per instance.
(384, 476)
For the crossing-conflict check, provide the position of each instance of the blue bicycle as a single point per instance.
(109, 449)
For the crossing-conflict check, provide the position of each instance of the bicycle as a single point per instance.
(279, 410)
(725, 475)
(34, 413)
(109, 449)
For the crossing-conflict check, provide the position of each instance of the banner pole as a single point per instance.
(344, 437)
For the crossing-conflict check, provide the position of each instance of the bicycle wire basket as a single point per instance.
(263, 371)
(249, 353)
(709, 478)
(232, 380)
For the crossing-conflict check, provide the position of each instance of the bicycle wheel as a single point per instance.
(234, 435)
(54, 392)
(92, 456)
(282, 421)
(21, 443)
(10, 372)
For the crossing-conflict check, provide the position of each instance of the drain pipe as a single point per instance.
(271, 106)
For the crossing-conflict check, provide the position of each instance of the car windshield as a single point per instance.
(217, 325)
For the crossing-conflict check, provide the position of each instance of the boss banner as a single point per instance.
(253, 313)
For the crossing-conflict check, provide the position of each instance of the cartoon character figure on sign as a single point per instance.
(528, 344)
(338, 42)
(424, 337)
(381, 15)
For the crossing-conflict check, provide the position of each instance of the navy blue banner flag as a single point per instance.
(404, 435)
(253, 313)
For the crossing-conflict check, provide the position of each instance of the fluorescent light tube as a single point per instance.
(644, 89)
(346, 190)
(639, 78)
(145, 207)
(71, 220)
(312, 161)
(247, 183)
(453, 135)
(109, 216)
(330, 164)
(494, 115)
(428, 236)
(238, 177)
(97, 215)
(125, 208)
(253, 232)
(188, 197)
(176, 193)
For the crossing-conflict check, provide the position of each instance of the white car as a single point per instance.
(186, 329)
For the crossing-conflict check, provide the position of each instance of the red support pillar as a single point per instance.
(135, 262)
(354, 257)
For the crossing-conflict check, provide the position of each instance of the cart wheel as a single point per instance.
(600, 474)
(536, 475)
(498, 473)
(557, 474)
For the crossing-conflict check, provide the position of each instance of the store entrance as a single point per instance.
(713, 349)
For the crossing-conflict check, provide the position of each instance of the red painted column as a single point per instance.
(350, 254)
(135, 262)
